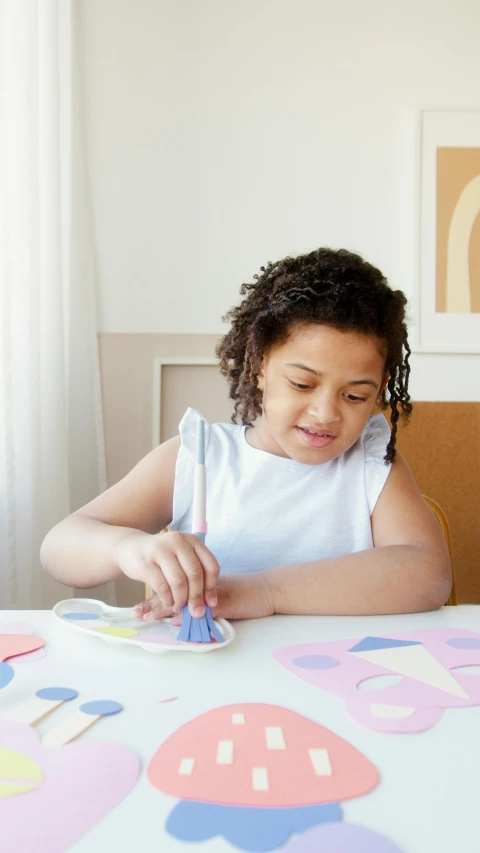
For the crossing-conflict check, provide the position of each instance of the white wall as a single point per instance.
(223, 134)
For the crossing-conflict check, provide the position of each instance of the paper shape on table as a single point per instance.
(256, 774)
(412, 659)
(341, 838)
(27, 630)
(12, 646)
(428, 662)
(119, 625)
(50, 797)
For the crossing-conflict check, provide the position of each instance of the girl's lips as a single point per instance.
(314, 440)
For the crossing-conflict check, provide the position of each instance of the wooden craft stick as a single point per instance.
(44, 702)
(80, 721)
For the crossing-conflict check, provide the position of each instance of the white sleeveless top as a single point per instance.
(265, 510)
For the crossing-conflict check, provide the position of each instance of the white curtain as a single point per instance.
(51, 432)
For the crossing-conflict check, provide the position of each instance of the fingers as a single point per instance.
(159, 583)
(142, 608)
(151, 609)
(185, 572)
(211, 571)
(194, 575)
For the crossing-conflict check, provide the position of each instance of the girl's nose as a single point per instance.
(324, 409)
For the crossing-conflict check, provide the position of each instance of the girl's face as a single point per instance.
(319, 389)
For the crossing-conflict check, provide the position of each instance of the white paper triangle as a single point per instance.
(418, 663)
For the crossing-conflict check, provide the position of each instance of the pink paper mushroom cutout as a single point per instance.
(255, 774)
(12, 648)
(51, 796)
(431, 669)
(27, 631)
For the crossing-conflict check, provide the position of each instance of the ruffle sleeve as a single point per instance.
(376, 436)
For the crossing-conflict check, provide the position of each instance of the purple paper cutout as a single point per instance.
(379, 682)
(255, 830)
(463, 643)
(341, 838)
(83, 782)
(428, 701)
(315, 662)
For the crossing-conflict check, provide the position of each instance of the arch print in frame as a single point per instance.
(448, 229)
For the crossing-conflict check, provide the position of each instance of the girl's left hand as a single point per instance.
(239, 597)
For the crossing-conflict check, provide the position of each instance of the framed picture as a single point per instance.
(448, 204)
(181, 382)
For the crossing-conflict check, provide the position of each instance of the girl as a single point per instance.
(312, 510)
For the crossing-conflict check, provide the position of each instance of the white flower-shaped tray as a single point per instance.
(118, 625)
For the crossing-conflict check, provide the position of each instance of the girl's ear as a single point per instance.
(261, 379)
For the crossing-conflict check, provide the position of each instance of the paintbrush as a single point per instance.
(200, 630)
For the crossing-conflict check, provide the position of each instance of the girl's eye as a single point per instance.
(355, 399)
(299, 385)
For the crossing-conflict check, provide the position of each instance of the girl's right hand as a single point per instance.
(178, 567)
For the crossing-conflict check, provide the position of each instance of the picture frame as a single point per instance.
(447, 300)
(158, 364)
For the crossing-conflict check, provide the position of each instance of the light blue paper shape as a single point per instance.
(255, 830)
(370, 644)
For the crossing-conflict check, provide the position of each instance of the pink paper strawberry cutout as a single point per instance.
(256, 773)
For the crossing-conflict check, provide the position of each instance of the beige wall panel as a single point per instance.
(200, 386)
(441, 444)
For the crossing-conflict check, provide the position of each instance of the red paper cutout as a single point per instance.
(18, 644)
(292, 779)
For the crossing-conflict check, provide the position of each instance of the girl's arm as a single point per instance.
(79, 551)
(408, 570)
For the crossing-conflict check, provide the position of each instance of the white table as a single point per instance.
(428, 799)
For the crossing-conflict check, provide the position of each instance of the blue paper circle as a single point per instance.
(6, 674)
(464, 643)
(81, 617)
(315, 662)
(57, 693)
(101, 708)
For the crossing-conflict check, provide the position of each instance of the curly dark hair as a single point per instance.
(330, 287)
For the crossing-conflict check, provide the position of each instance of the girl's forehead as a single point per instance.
(320, 344)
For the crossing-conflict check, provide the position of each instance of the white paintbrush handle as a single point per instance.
(199, 498)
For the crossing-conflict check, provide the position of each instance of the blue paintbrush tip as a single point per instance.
(201, 630)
